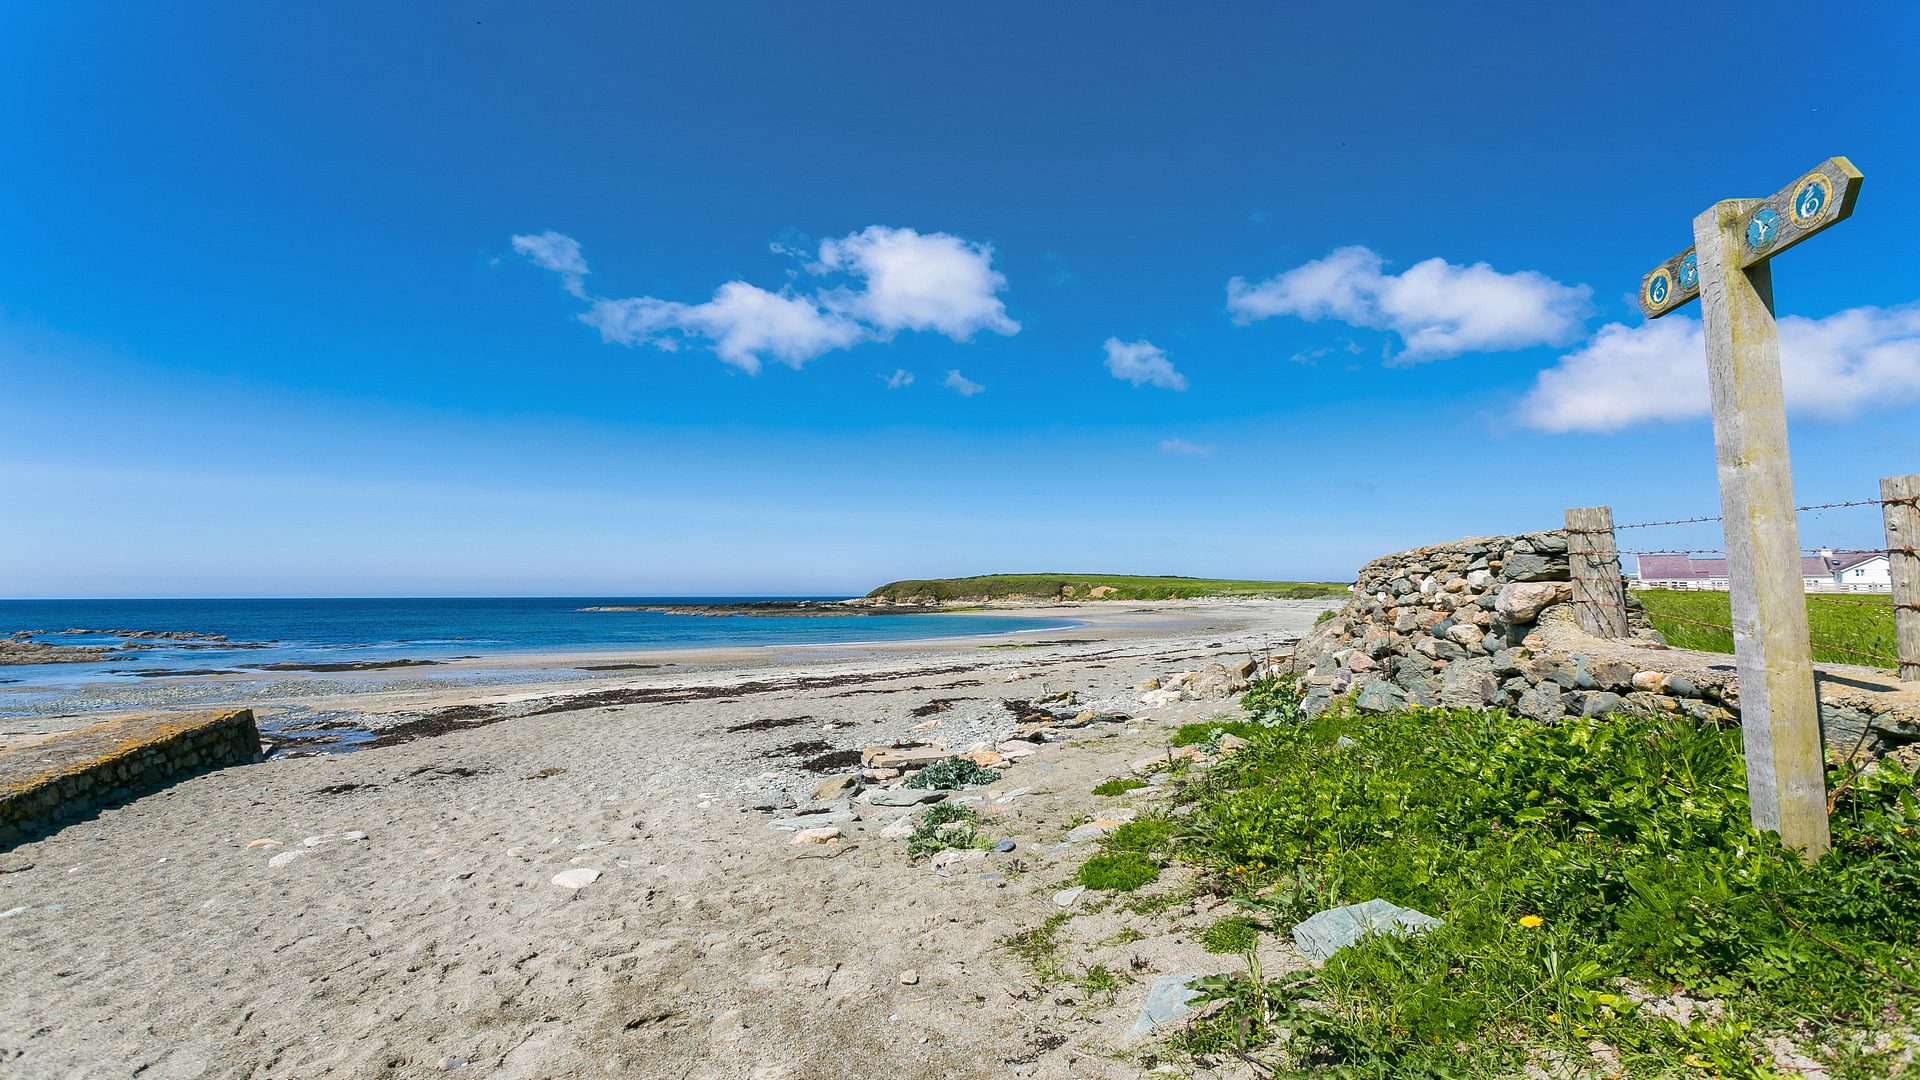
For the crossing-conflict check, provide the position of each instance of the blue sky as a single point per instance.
(266, 329)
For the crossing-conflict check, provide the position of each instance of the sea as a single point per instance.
(286, 638)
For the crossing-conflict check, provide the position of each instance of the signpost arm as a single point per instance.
(1779, 707)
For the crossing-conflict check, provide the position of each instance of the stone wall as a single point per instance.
(1488, 623)
(50, 782)
(1454, 626)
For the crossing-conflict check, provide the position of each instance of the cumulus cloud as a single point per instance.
(559, 253)
(890, 280)
(961, 385)
(1438, 308)
(915, 281)
(899, 380)
(744, 323)
(1182, 446)
(1142, 364)
(1832, 368)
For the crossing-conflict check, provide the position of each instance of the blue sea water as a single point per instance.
(327, 631)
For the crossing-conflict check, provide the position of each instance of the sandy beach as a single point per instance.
(402, 917)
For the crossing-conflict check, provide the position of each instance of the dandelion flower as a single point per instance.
(1531, 921)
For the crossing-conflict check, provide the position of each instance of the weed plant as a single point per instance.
(951, 773)
(1118, 786)
(928, 837)
(1588, 873)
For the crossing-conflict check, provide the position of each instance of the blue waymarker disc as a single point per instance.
(1763, 228)
(1810, 201)
(1690, 272)
(1658, 289)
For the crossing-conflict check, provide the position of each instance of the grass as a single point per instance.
(1040, 947)
(1205, 732)
(1859, 622)
(1119, 871)
(1587, 874)
(1233, 935)
(1081, 586)
(1118, 786)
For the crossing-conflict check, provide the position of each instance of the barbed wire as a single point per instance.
(1810, 508)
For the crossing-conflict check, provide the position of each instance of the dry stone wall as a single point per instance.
(1459, 626)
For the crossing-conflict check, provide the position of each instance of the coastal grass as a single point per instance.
(1118, 786)
(1114, 586)
(1608, 909)
(1854, 628)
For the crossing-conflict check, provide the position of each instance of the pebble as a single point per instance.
(1004, 846)
(909, 977)
(448, 1064)
(578, 878)
(285, 857)
(11, 912)
(1066, 897)
(898, 830)
(264, 842)
(828, 835)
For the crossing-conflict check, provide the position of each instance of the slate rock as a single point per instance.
(906, 796)
(1166, 1002)
(1379, 697)
(1329, 931)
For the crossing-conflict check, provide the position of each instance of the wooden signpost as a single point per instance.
(1728, 269)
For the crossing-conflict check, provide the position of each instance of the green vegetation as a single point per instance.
(1233, 935)
(1114, 586)
(1103, 982)
(1600, 886)
(1859, 622)
(951, 773)
(931, 834)
(1118, 786)
(1040, 947)
(1119, 871)
(1206, 732)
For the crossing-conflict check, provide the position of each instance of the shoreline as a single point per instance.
(420, 922)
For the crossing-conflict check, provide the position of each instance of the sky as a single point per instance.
(784, 299)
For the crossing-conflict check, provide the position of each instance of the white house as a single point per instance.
(1829, 571)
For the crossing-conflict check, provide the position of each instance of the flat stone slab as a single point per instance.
(1166, 1002)
(1329, 931)
(111, 762)
(905, 796)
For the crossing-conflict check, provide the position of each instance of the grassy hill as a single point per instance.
(1856, 628)
(1098, 587)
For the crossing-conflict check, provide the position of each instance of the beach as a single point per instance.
(393, 911)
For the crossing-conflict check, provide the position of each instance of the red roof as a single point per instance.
(1688, 568)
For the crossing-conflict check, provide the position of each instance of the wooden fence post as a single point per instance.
(1900, 498)
(1599, 599)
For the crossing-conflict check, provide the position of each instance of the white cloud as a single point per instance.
(917, 282)
(1182, 446)
(559, 253)
(1438, 308)
(899, 380)
(744, 322)
(1140, 363)
(1831, 368)
(962, 385)
(903, 280)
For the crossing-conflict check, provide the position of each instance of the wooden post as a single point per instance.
(1779, 707)
(1900, 498)
(1599, 600)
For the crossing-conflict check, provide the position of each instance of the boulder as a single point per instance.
(1541, 703)
(839, 787)
(1379, 696)
(1522, 601)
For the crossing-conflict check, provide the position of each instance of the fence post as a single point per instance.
(1900, 501)
(1599, 600)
